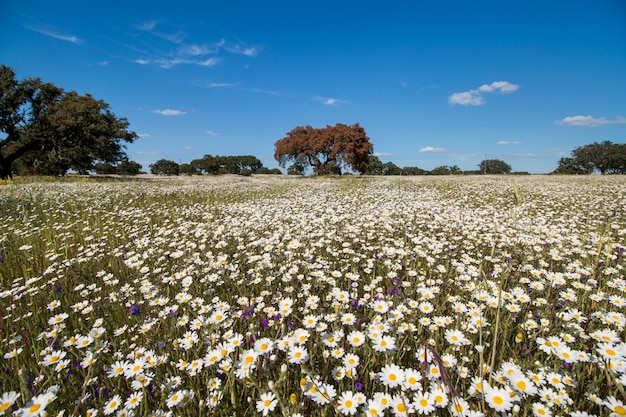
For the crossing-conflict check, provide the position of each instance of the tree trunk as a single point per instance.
(5, 169)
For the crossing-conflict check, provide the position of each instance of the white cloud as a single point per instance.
(147, 152)
(211, 62)
(144, 135)
(328, 101)
(430, 149)
(382, 154)
(503, 87)
(467, 98)
(169, 112)
(210, 132)
(474, 97)
(195, 50)
(188, 148)
(141, 61)
(590, 121)
(509, 142)
(72, 39)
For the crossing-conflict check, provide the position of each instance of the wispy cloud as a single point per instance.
(169, 112)
(211, 62)
(221, 85)
(169, 63)
(194, 53)
(431, 149)
(197, 50)
(329, 101)
(189, 148)
(475, 97)
(382, 154)
(46, 32)
(146, 25)
(509, 142)
(262, 91)
(590, 121)
(210, 132)
(147, 152)
(144, 135)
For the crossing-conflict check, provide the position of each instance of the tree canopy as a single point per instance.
(606, 157)
(494, 166)
(327, 150)
(50, 131)
(226, 164)
(165, 167)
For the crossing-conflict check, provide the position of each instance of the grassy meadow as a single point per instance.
(282, 296)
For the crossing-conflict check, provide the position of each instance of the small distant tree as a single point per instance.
(446, 170)
(375, 166)
(128, 168)
(494, 166)
(389, 168)
(326, 150)
(104, 168)
(164, 167)
(295, 169)
(413, 171)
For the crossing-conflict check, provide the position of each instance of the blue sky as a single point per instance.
(432, 82)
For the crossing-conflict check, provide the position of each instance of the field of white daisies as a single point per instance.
(282, 296)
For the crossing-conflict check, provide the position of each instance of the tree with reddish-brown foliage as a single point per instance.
(327, 150)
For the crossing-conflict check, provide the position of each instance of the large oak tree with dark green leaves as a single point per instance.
(50, 131)
(327, 150)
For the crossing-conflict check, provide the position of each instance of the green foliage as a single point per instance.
(164, 167)
(128, 168)
(50, 131)
(377, 167)
(605, 157)
(210, 164)
(573, 166)
(295, 169)
(494, 166)
(445, 170)
(104, 168)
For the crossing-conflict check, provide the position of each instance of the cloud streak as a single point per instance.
(431, 149)
(169, 112)
(590, 121)
(71, 39)
(184, 52)
(509, 142)
(475, 97)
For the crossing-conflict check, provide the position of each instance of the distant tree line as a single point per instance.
(488, 166)
(213, 165)
(605, 157)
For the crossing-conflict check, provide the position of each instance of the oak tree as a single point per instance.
(494, 166)
(326, 150)
(51, 131)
